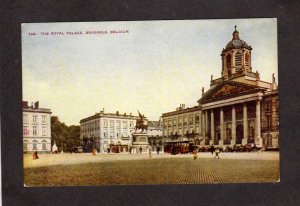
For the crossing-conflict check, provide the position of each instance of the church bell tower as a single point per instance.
(236, 57)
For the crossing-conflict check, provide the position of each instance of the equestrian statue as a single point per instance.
(141, 123)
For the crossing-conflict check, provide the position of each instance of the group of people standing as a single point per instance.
(212, 149)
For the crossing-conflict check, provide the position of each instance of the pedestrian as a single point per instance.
(157, 150)
(94, 152)
(141, 150)
(35, 155)
(195, 154)
(217, 151)
(212, 149)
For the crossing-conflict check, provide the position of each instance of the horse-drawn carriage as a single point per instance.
(179, 147)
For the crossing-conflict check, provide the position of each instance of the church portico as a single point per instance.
(235, 124)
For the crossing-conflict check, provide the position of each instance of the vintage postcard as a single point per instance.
(150, 102)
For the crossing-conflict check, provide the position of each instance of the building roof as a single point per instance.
(236, 43)
(34, 108)
(181, 111)
(109, 115)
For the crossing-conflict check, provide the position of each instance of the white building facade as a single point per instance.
(36, 128)
(107, 132)
(154, 133)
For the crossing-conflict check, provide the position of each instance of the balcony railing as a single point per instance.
(272, 128)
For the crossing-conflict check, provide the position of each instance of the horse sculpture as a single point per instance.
(141, 123)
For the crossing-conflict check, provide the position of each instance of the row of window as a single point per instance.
(35, 131)
(118, 123)
(34, 118)
(90, 126)
(238, 59)
(185, 119)
(34, 145)
(95, 126)
(179, 132)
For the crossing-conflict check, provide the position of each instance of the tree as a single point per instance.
(65, 137)
(73, 137)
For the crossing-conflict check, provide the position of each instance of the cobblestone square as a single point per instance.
(86, 169)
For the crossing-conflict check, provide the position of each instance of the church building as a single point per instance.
(238, 109)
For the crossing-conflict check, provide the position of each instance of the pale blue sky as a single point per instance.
(153, 68)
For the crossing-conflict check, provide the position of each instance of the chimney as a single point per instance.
(25, 104)
(117, 113)
(36, 105)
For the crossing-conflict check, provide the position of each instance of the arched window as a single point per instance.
(238, 59)
(247, 59)
(228, 61)
(34, 145)
(25, 145)
(44, 144)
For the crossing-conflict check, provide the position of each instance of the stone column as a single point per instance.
(203, 127)
(206, 123)
(212, 127)
(245, 123)
(221, 127)
(177, 125)
(233, 127)
(258, 140)
(199, 124)
(172, 127)
(167, 128)
(194, 122)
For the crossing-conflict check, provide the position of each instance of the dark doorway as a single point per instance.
(239, 133)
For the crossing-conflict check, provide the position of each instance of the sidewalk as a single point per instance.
(81, 158)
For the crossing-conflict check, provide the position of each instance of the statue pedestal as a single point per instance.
(54, 148)
(140, 140)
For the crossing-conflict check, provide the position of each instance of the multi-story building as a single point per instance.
(107, 132)
(36, 128)
(239, 108)
(154, 133)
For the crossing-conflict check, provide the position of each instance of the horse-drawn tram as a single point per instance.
(179, 147)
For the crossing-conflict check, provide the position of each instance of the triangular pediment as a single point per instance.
(227, 90)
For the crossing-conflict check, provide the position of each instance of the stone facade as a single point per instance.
(36, 128)
(238, 108)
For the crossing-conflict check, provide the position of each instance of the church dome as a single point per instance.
(236, 42)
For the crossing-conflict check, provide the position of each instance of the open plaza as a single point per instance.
(137, 169)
